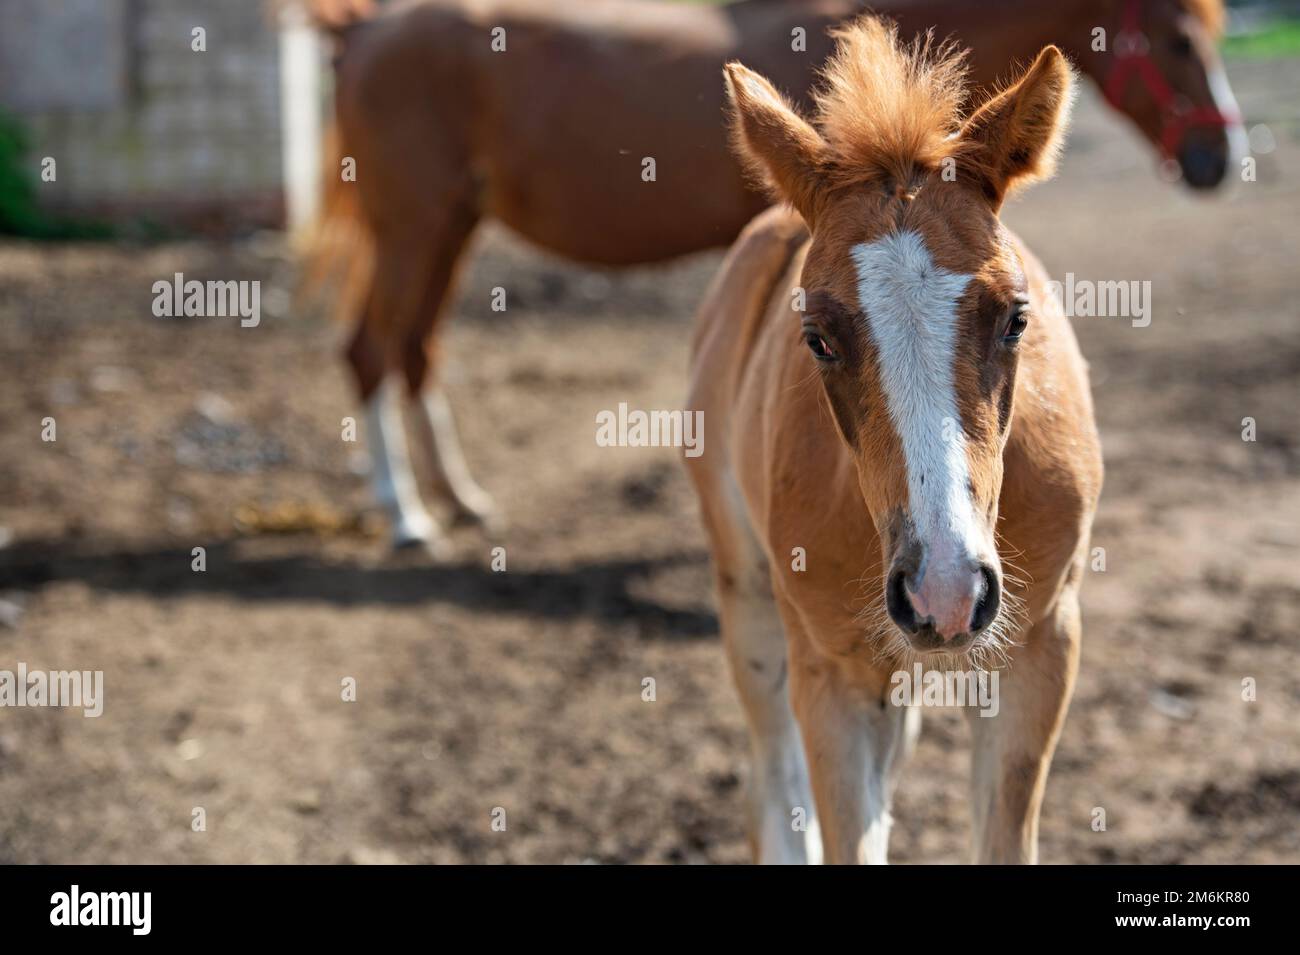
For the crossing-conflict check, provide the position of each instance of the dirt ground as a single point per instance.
(522, 690)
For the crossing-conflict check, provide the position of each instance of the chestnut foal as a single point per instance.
(925, 387)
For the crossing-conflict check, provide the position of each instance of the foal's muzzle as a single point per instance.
(943, 609)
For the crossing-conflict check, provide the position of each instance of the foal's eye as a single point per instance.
(1181, 45)
(1016, 324)
(820, 348)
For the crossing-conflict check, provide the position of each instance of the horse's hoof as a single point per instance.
(489, 521)
(434, 546)
(479, 512)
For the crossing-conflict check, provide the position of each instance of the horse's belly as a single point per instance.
(619, 206)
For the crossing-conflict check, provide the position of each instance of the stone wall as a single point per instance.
(137, 120)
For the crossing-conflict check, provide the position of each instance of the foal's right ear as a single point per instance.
(774, 141)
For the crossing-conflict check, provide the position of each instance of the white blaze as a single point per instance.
(911, 309)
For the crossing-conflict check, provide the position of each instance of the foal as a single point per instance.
(923, 387)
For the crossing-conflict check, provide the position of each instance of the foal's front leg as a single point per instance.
(854, 741)
(1013, 750)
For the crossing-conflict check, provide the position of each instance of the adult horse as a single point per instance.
(543, 116)
(919, 419)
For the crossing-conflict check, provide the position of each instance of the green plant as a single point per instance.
(20, 212)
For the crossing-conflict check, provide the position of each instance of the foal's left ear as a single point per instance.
(1014, 138)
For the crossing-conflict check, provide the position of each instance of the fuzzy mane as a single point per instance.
(886, 109)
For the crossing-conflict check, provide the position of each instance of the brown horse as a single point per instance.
(923, 420)
(543, 115)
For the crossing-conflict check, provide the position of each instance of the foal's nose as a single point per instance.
(945, 608)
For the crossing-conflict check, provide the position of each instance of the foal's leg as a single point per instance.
(856, 740)
(754, 641)
(435, 427)
(1013, 750)
(780, 799)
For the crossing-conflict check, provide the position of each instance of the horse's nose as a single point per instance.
(1204, 165)
(945, 608)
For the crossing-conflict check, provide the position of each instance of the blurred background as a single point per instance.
(522, 689)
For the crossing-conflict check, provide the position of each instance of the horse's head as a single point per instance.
(916, 298)
(1162, 69)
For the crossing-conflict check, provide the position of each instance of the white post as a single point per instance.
(300, 117)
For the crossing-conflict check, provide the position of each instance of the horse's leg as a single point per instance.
(855, 739)
(1013, 749)
(435, 425)
(369, 357)
(441, 444)
(393, 480)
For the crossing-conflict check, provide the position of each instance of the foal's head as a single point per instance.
(917, 302)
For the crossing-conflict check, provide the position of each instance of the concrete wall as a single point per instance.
(136, 119)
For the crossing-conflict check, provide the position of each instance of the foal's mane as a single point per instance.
(889, 110)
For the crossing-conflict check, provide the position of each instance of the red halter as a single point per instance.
(1132, 52)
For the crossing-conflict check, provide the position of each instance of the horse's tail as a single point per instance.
(340, 251)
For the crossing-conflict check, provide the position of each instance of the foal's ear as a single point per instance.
(1014, 138)
(774, 142)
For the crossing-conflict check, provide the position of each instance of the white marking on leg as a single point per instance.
(859, 749)
(874, 846)
(393, 482)
(1226, 103)
(442, 445)
(911, 308)
(783, 795)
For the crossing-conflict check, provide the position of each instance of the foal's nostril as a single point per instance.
(899, 604)
(989, 601)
